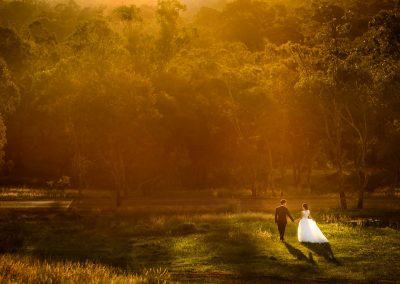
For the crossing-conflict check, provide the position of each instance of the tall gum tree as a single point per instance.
(378, 52)
(318, 68)
(168, 16)
(9, 98)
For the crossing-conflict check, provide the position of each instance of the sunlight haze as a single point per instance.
(210, 141)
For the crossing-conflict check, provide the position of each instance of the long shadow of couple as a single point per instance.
(323, 250)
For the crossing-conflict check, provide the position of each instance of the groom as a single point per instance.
(280, 218)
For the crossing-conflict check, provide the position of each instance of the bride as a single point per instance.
(308, 230)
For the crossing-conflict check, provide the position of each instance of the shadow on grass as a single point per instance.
(298, 253)
(104, 240)
(234, 247)
(11, 236)
(252, 259)
(324, 250)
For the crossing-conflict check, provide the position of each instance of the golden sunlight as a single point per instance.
(210, 141)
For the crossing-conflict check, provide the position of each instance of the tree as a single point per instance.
(359, 113)
(9, 98)
(320, 77)
(379, 50)
(13, 49)
(168, 18)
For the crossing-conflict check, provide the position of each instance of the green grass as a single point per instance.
(241, 247)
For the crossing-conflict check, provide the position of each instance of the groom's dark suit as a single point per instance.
(280, 218)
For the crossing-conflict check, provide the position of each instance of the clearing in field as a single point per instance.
(231, 244)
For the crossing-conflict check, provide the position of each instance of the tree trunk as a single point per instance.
(296, 175)
(360, 203)
(343, 203)
(253, 190)
(363, 185)
(334, 132)
(118, 198)
(126, 192)
(308, 178)
(117, 167)
(270, 181)
(342, 194)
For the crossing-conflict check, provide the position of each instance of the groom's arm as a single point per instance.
(290, 216)
(276, 215)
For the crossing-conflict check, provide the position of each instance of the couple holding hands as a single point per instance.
(307, 230)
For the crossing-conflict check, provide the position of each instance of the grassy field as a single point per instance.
(235, 247)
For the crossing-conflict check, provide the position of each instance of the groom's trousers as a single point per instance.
(281, 229)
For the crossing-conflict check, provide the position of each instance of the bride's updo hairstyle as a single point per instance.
(305, 206)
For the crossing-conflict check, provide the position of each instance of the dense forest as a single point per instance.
(249, 94)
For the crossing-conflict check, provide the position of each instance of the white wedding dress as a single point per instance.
(308, 230)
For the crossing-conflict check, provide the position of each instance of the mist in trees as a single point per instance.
(264, 95)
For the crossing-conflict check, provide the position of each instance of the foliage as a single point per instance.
(9, 98)
(145, 98)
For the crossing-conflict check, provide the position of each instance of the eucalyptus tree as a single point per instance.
(168, 16)
(129, 23)
(319, 68)
(360, 106)
(204, 124)
(280, 77)
(9, 98)
(13, 49)
(380, 53)
(223, 101)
